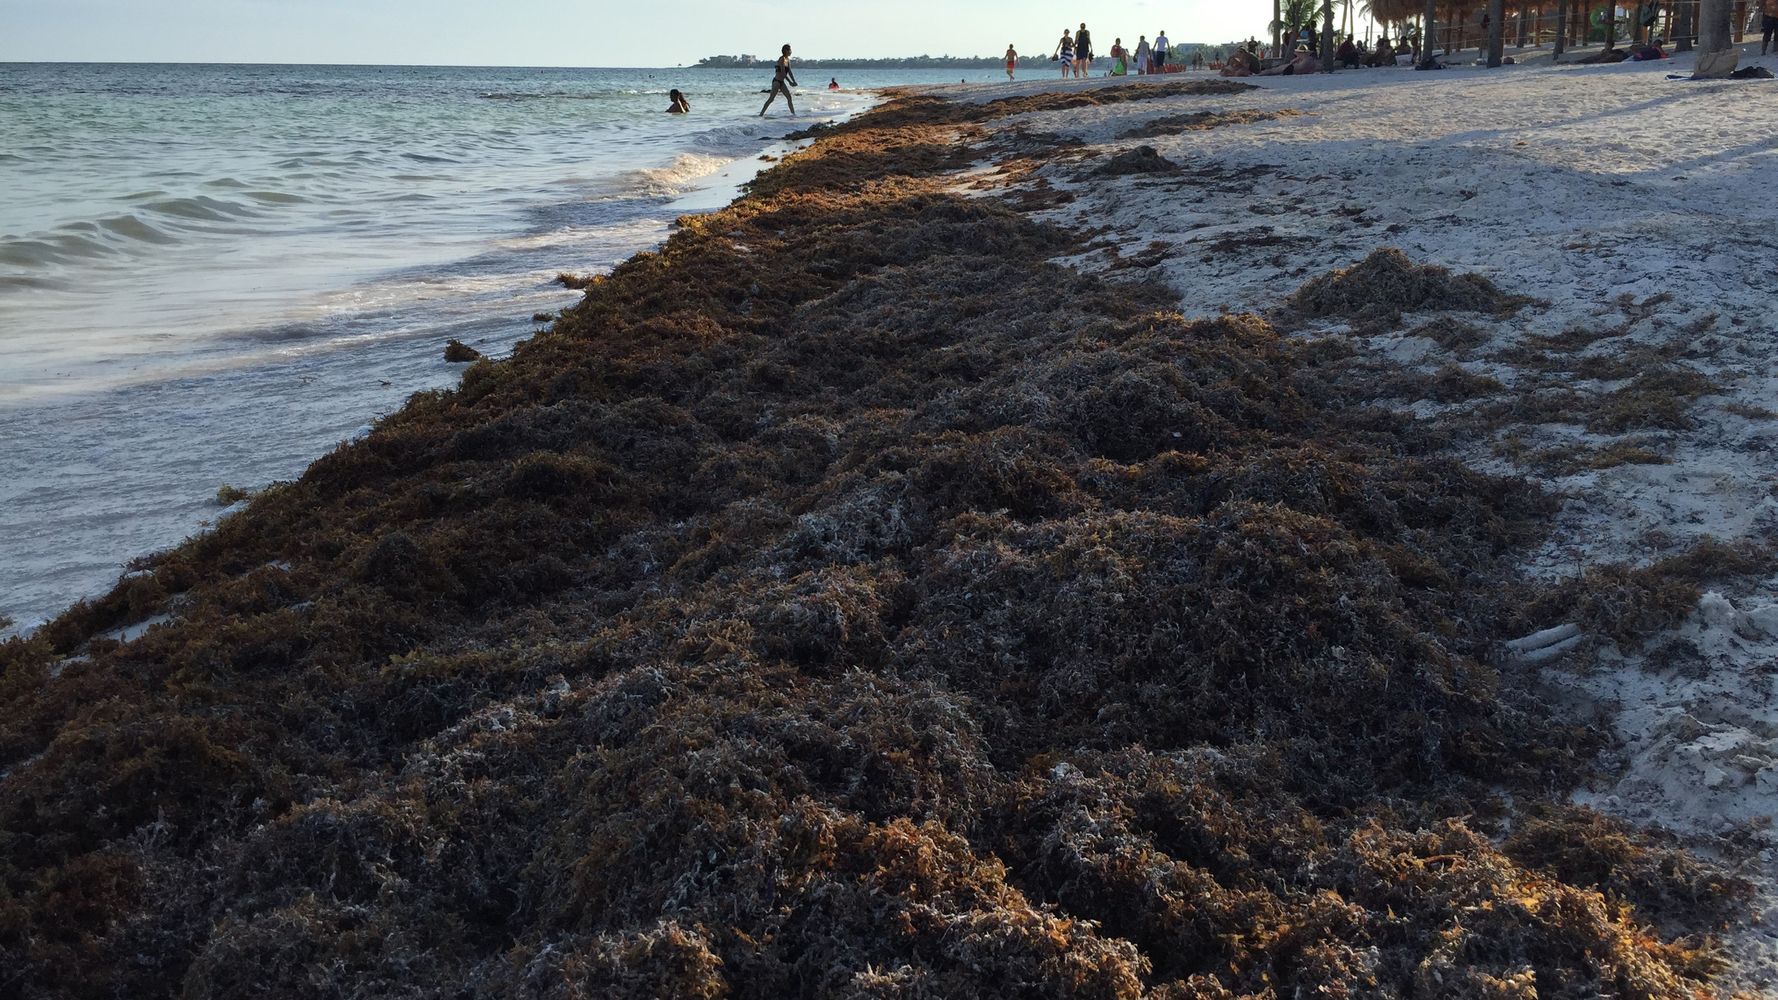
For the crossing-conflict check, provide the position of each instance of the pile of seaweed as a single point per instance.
(841, 601)
(1378, 289)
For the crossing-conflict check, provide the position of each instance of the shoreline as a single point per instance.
(44, 419)
(847, 597)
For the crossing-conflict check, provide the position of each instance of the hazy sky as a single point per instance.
(571, 33)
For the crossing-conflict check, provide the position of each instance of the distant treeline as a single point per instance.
(1179, 53)
(905, 62)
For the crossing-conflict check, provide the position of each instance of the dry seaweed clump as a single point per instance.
(1141, 160)
(842, 601)
(1386, 284)
(1201, 121)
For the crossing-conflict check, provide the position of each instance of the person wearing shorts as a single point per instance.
(1012, 60)
(1159, 61)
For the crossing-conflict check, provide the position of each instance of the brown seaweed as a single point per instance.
(843, 600)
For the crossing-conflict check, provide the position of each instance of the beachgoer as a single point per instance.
(782, 80)
(1304, 64)
(1120, 65)
(1160, 52)
(1241, 63)
(1083, 52)
(1384, 54)
(1065, 52)
(1649, 53)
(1347, 54)
(833, 83)
(1144, 52)
(1768, 25)
(680, 105)
(1012, 60)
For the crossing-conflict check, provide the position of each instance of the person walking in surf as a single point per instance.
(780, 74)
(1065, 52)
(1083, 52)
(1012, 60)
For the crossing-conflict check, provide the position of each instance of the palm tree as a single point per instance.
(1327, 45)
(1496, 31)
(1717, 58)
(1426, 24)
(1561, 26)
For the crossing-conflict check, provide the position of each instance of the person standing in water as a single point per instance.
(782, 80)
(1065, 52)
(680, 106)
(1083, 52)
(1012, 60)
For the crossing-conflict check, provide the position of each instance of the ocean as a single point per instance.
(211, 275)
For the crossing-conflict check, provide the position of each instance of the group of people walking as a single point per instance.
(1075, 53)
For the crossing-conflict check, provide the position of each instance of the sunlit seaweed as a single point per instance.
(841, 601)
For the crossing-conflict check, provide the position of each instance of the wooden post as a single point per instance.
(1496, 31)
(1561, 26)
(1685, 25)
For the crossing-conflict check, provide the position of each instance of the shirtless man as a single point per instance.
(780, 74)
(1304, 64)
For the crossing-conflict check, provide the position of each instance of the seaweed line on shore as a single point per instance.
(844, 600)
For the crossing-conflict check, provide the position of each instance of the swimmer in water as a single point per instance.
(782, 80)
(680, 106)
(833, 84)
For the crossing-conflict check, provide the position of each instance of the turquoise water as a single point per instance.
(212, 274)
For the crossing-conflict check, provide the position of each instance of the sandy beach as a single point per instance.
(1630, 206)
(1171, 538)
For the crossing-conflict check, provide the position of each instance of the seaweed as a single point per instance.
(842, 600)
(1200, 121)
(1140, 160)
(1386, 284)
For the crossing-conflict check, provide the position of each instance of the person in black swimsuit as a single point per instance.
(1083, 51)
(780, 75)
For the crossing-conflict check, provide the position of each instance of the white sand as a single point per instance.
(1594, 189)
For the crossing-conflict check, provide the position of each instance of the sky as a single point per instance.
(572, 33)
